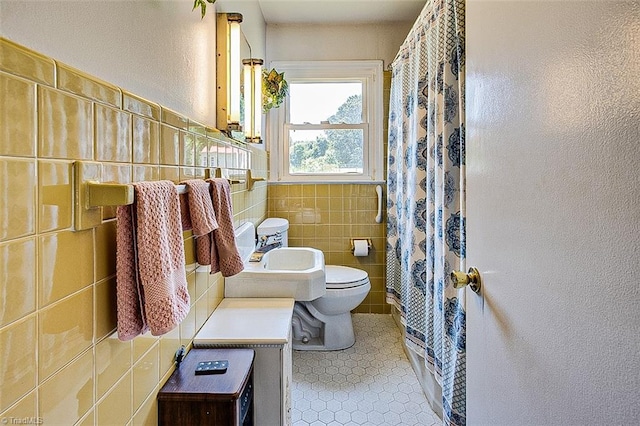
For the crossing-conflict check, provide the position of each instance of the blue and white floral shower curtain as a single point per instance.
(426, 192)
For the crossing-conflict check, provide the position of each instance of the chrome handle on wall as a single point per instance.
(471, 278)
(379, 215)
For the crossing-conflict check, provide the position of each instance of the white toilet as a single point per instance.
(324, 323)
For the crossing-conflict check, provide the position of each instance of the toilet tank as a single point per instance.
(275, 227)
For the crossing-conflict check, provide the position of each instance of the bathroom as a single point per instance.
(58, 311)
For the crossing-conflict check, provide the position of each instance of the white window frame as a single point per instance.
(367, 72)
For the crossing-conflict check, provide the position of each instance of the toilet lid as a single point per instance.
(344, 277)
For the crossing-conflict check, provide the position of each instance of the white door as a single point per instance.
(553, 212)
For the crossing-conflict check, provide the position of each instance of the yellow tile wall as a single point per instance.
(328, 216)
(61, 359)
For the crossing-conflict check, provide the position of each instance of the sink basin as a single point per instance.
(292, 259)
(294, 272)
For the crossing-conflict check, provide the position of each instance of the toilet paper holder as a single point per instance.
(353, 244)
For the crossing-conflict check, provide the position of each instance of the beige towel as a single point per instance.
(151, 279)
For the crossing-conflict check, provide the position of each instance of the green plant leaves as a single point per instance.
(203, 6)
(274, 89)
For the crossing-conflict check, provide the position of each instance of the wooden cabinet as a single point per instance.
(214, 399)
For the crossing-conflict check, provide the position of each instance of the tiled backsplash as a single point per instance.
(61, 361)
(327, 217)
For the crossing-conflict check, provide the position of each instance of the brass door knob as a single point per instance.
(471, 278)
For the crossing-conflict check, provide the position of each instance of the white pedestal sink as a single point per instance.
(294, 272)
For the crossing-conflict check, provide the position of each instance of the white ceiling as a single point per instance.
(339, 11)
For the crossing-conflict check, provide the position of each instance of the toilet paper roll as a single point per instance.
(360, 248)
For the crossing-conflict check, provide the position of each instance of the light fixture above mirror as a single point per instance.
(253, 99)
(228, 72)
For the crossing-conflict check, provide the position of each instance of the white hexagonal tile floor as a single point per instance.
(370, 383)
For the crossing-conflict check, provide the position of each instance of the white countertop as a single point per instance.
(246, 321)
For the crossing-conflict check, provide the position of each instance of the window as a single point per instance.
(330, 126)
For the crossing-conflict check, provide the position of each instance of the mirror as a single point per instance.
(245, 52)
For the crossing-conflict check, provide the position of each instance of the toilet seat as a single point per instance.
(341, 277)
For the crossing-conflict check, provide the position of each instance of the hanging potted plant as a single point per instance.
(274, 89)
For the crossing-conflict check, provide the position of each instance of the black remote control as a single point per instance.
(212, 367)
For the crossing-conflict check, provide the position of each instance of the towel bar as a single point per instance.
(101, 194)
(115, 194)
(251, 180)
(220, 173)
(90, 194)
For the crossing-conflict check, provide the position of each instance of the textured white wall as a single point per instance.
(160, 50)
(553, 212)
(305, 42)
(253, 26)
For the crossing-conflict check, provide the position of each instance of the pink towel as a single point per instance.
(220, 251)
(201, 217)
(224, 252)
(151, 280)
(184, 213)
